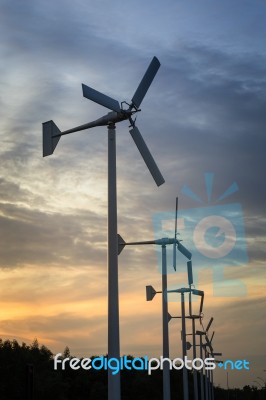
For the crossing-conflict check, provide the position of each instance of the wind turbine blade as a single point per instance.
(174, 256)
(146, 155)
(100, 98)
(209, 343)
(176, 211)
(189, 273)
(184, 251)
(201, 304)
(146, 82)
(209, 324)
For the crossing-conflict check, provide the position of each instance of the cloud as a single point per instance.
(32, 237)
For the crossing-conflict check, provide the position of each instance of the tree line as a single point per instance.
(27, 373)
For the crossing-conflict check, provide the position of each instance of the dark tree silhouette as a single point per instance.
(27, 373)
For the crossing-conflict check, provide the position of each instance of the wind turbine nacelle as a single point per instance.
(150, 293)
(50, 138)
(188, 345)
(200, 333)
(198, 292)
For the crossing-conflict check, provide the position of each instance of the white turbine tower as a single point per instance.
(51, 136)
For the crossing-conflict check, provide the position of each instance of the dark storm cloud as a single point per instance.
(219, 112)
(211, 112)
(48, 43)
(213, 120)
(51, 34)
(205, 112)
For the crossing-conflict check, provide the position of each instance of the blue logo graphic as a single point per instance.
(231, 365)
(213, 233)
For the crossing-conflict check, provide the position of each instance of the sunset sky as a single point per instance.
(204, 113)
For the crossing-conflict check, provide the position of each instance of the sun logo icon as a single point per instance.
(213, 232)
(214, 236)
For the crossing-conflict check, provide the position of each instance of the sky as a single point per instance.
(203, 116)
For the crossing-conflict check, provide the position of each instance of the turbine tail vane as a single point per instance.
(50, 137)
(121, 244)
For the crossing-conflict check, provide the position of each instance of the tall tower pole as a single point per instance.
(113, 294)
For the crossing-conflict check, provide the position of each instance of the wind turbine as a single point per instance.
(191, 316)
(209, 392)
(258, 384)
(210, 372)
(151, 292)
(186, 345)
(258, 377)
(51, 136)
(182, 291)
(207, 372)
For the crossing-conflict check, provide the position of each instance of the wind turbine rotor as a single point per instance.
(122, 114)
(145, 82)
